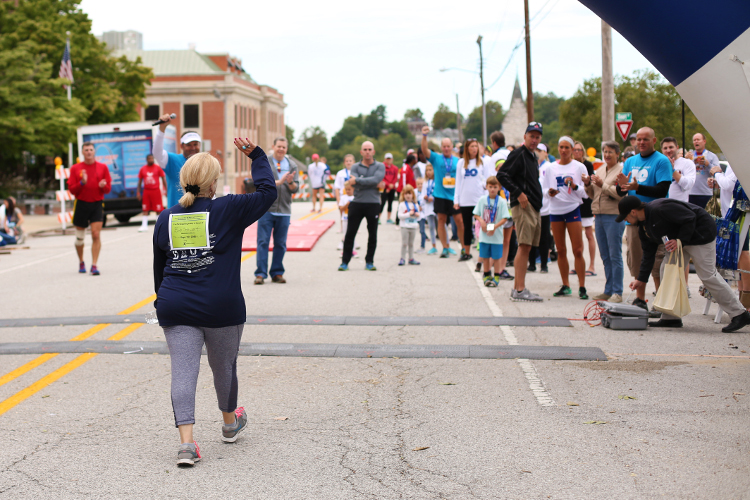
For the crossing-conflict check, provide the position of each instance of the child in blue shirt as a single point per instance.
(492, 212)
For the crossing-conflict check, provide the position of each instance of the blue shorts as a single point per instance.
(574, 216)
(490, 251)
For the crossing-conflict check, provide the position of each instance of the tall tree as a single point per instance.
(32, 41)
(375, 122)
(652, 101)
(414, 114)
(547, 107)
(495, 115)
(443, 118)
(353, 126)
(314, 140)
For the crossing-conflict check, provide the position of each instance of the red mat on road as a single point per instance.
(302, 236)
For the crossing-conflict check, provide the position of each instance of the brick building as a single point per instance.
(214, 96)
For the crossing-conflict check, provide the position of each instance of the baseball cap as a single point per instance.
(632, 136)
(315, 156)
(410, 152)
(626, 205)
(534, 127)
(389, 155)
(542, 147)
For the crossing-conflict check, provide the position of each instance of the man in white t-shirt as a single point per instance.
(316, 172)
(683, 177)
(342, 176)
(704, 161)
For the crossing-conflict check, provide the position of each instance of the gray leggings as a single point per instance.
(185, 349)
(407, 241)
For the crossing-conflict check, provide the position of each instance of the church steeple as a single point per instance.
(516, 92)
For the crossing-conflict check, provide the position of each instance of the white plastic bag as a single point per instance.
(672, 297)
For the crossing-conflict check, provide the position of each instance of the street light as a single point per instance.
(481, 82)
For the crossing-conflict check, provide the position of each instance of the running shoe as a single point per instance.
(582, 293)
(341, 246)
(370, 267)
(505, 275)
(82, 268)
(401, 262)
(344, 267)
(229, 432)
(478, 268)
(544, 270)
(432, 251)
(640, 303)
(420, 250)
(188, 454)
(615, 299)
(524, 296)
(464, 257)
(602, 296)
(451, 251)
(389, 221)
(563, 291)
(413, 262)
(531, 269)
(496, 279)
(444, 254)
(94, 271)
(487, 280)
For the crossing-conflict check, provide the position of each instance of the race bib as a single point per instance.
(449, 182)
(189, 231)
(490, 227)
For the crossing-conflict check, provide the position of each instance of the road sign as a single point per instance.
(624, 122)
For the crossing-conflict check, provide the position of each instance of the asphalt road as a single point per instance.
(669, 408)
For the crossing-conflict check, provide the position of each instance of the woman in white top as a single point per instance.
(470, 186)
(564, 183)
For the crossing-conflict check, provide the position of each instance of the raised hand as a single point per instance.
(245, 145)
(425, 130)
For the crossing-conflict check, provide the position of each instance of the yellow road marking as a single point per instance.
(60, 372)
(247, 256)
(323, 213)
(88, 333)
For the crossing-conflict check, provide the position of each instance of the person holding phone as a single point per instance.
(704, 161)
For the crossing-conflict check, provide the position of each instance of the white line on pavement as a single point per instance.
(535, 383)
(64, 254)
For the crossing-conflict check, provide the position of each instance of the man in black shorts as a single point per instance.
(444, 165)
(89, 182)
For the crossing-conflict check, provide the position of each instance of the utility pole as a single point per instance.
(481, 82)
(529, 91)
(608, 85)
(458, 122)
(70, 96)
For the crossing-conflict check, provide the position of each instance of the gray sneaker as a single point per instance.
(524, 296)
(188, 454)
(229, 433)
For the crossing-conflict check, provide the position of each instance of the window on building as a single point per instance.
(152, 113)
(235, 116)
(191, 115)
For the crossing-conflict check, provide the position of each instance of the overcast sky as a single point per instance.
(336, 59)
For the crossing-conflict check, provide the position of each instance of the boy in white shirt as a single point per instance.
(344, 199)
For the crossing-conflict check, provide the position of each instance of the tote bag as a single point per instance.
(672, 296)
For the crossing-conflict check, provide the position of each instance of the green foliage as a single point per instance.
(414, 114)
(292, 147)
(352, 127)
(313, 140)
(375, 123)
(647, 95)
(401, 129)
(444, 118)
(32, 41)
(547, 112)
(495, 115)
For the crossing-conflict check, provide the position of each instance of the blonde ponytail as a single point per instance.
(197, 176)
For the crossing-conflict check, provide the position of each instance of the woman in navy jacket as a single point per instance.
(197, 248)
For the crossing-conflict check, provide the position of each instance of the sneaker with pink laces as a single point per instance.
(188, 454)
(230, 432)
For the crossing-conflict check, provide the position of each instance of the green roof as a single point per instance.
(173, 62)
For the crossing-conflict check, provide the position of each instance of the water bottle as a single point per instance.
(151, 318)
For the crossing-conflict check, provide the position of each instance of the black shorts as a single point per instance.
(85, 212)
(444, 206)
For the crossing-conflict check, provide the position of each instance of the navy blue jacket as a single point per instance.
(202, 287)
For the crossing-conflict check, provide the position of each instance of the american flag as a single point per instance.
(66, 67)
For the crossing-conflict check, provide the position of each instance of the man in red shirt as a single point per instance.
(388, 185)
(151, 199)
(89, 182)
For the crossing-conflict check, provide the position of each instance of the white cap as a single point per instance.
(190, 137)
(388, 155)
(542, 147)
